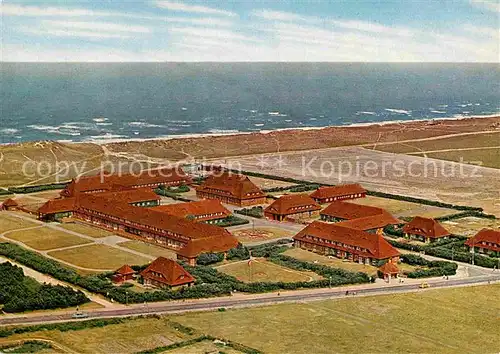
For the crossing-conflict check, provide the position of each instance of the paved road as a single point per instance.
(247, 300)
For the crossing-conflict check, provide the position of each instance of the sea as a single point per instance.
(102, 102)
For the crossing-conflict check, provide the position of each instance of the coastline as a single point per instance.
(267, 132)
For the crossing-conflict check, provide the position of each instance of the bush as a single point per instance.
(240, 252)
(435, 268)
(255, 212)
(209, 258)
(232, 221)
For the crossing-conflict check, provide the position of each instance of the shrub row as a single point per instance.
(465, 214)
(240, 252)
(209, 258)
(38, 188)
(180, 189)
(169, 194)
(4, 192)
(29, 346)
(304, 187)
(255, 212)
(435, 268)
(232, 221)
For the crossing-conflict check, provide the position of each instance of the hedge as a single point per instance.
(232, 221)
(435, 268)
(29, 346)
(465, 214)
(38, 188)
(169, 194)
(255, 212)
(209, 258)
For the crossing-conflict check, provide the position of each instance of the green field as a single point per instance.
(149, 249)
(86, 230)
(9, 223)
(98, 257)
(460, 320)
(261, 270)
(45, 238)
(307, 256)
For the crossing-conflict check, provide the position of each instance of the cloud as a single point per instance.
(374, 28)
(493, 5)
(72, 33)
(484, 31)
(210, 33)
(281, 16)
(181, 7)
(203, 21)
(96, 26)
(36, 11)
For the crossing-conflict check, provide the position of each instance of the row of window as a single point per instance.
(335, 243)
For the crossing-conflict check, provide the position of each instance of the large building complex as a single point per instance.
(231, 188)
(292, 206)
(128, 211)
(328, 194)
(149, 179)
(354, 245)
(209, 211)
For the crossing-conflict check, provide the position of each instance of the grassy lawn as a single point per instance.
(261, 270)
(400, 208)
(9, 223)
(86, 230)
(129, 337)
(251, 235)
(434, 321)
(98, 257)
(307, 256)
(45, 238)
(205, 347)
(149, 249)
(469, 226)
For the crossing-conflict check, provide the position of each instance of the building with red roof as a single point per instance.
(388, 270)
(425, 229)
(124, 273)
(231, 188)
(292, 205)
(328, 194)
(485, 241)
(209, 211)
(164, 272)
(340, 211)
(57, 209)
(372, 224)
(10, 204)
(342, 242)
(145, 179)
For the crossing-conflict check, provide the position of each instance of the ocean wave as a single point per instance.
(259, 124)
(9, 131)
(440, 112)
(100, 119)
(104, 124)
(366, 113)
(144, 125)
(61, 130)
(399, 111)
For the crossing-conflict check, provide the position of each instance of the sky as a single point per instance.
(250, 30)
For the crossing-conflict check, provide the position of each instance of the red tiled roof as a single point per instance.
(104, 182)
(425, 227)
(135, 195)
(371, 222)
(197, 246)
(293, 204)
(168, 272)
(202, 209)
(337, 191)
(10, 203)
(376, 246)
(231, 185)
(389, 268)
(149, 217)
(125, 270)
(58, 206)
(486, 235)
(348, 211)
